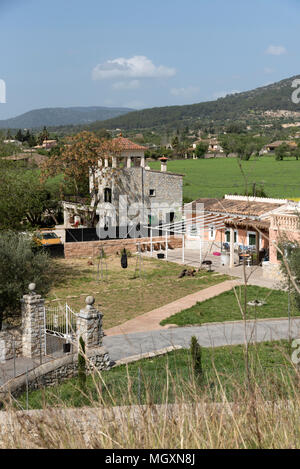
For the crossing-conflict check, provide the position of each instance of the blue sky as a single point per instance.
(141, 53)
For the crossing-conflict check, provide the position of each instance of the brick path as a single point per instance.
(150, 321)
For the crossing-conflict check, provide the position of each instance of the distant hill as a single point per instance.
(59, 116)
(239, 106)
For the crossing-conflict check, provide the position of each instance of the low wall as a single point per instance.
(91, 248)
(55, 372)
(272, 271)
(10, 341)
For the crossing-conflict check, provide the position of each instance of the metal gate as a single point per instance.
(60, 327)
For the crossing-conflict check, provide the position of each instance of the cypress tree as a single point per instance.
(81, 364)
(196, 356)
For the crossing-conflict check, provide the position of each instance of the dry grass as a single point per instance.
(250, 422)
(122, 296)
(256, 416)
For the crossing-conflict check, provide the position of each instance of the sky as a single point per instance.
(141, 53)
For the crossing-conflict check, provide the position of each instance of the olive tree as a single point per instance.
(20, 263)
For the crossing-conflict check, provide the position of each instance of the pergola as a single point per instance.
(200, 224)
(204, 223)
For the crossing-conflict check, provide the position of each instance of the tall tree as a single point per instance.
(29, 201)
(44, 135)
(201, 149)
(19, 136)
(282, 151)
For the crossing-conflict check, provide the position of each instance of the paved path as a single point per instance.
(150, 321)
(211, 335)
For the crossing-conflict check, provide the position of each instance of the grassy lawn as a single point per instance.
(122, 296)
(225, 307)
(170, 378)
(216, 177)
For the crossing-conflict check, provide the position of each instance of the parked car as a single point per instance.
(46, 238)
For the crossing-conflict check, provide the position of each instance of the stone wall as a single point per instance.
(272, 271)
(91, 248)
(56, 371)
(10, 341)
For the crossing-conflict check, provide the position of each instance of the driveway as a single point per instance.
(212, 335)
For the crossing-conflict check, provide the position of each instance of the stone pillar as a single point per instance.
(66, 217)
(143, 162)
(89, 324)
(106, 163)
(33, 328)
(257, 247)
(114, 162)
(128, 162)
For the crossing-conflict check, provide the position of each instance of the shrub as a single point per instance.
(196, 356)
(81, 364)
(126, 251)
(21, 264)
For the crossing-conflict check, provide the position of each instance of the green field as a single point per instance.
(218, 176)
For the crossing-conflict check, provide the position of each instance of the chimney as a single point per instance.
(163, 163)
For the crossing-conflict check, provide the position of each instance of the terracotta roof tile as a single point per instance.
(126, 144)
(238, 207)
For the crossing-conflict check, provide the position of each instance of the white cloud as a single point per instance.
(138, 66)
(223, 94)
(126, 85)
(276, 50)
(185, 92)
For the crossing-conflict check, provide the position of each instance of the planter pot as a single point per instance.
(66, 348)
(225, 259)
(160, 256)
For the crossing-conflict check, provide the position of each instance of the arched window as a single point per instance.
(107, 195)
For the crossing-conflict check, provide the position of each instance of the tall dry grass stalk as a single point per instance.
(195, 419)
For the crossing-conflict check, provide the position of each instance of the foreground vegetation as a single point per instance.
(123, 294)
(171, 377)
(224, 307)
(228, 408)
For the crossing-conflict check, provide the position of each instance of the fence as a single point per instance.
(38, 351)
(80, 235)
(60, 327)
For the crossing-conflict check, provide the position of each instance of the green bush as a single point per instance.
(81, 364)
(196, 356)
(21, 264)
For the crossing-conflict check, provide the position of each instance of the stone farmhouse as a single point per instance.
(271, 147)
(126, 179)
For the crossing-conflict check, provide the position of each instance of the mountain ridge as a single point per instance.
(276, 96)
(62, 116)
